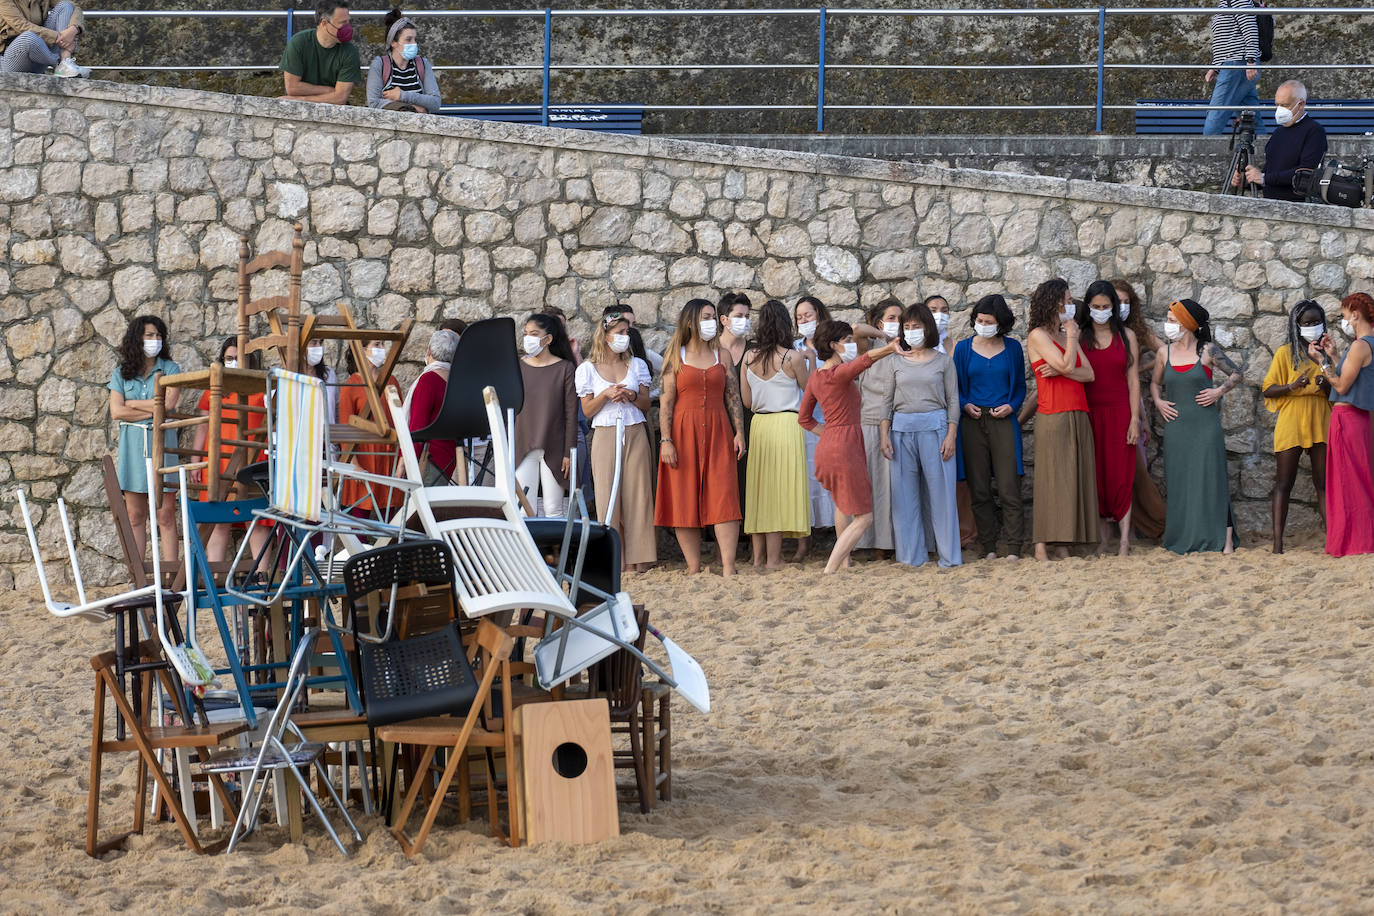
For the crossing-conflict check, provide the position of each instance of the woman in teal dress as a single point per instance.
(144, 353)
(1189, 399)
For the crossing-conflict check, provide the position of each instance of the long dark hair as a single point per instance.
(1045, 303)
(637, 344)
(1144, 337)
(1088, 340)
(553, 325)
(131, 347)
(774, 330)
(874, 316)
(920, 313)
(1297, 345)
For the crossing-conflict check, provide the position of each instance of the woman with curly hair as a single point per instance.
(1350, 452)
(1189, 399)
(144, 354)
(1298, 391)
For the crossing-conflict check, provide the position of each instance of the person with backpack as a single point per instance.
(400, 79)
(1235, 64)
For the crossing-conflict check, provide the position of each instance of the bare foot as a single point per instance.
(1061, 553)
(1041, 554)
(1230, 542)
(1124, 550)
(775, 566)
(728, 572)
(1012, 556)
(1101, 548)
(803, 546)
(992, 555)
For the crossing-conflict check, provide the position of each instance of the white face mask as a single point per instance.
(619, 343)
(377, 356)
(708, 328)
(1173, 330)
(152, 348)
(314, 355)
(941, 322)
(807, 329)
(231, 364)
(739, 326)
(1284, 116)
(532, 344)
(1123, 311)
(1312, 332)
(849, 351)
(890, 329)
(1347, 327)
(1067, 313)
(985, 330)
(914, 337)
(1100, 316)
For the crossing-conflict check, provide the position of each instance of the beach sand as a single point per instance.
(1155, 733)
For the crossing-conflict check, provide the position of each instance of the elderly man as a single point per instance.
(38, 34)
(322, 65)
(1299, 142)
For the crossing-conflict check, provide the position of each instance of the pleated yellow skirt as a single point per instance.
(777, 495)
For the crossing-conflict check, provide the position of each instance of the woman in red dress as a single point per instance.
(1113, 409)
(1349, 454)
(840, 464)
(699, 410)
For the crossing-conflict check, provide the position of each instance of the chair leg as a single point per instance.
(398, 829)
(665, 747)
(647, 724)
(182, 760)
(642, 775)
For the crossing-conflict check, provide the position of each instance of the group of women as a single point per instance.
(785, 422)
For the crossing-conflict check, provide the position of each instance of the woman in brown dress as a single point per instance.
(699, 412)
(546, 427)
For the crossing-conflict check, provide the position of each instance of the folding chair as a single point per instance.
(422, 691)
(274, 754)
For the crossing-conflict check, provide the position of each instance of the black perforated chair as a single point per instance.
(416, 678)
(486, 357)
(389, 590)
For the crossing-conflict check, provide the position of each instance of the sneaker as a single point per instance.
(69, 68)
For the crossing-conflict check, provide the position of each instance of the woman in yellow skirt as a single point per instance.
(1296, 389)
(777, 493)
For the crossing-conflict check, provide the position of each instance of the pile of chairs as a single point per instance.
(435, 622)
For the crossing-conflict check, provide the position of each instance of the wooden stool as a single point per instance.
(567, 771)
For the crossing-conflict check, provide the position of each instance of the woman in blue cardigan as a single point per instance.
(992, 387)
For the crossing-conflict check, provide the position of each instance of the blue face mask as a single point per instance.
(410, 52)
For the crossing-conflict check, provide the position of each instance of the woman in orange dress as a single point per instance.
(373, 459)
(840, 463)
(698, 483)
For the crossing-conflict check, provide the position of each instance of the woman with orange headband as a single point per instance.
(1349, 451)
(1188, 398)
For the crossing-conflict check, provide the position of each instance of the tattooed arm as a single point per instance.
(667, 400)
(735, 405)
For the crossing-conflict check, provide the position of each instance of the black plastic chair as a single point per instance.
(486, 356)
(405, 679)
(601, 568)
(382, 573)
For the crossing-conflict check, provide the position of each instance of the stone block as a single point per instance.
(134, 286)
(779, 279)
(836, 265)
(174, 250)
(607, 227)
(476, 269)
(412, 270)
(80, 257)
(512, 257)
(638, 272)
(336, 210)
(483, 228)
(689, 270)
(365, 278)
(656, 231)
(555, 260)
(383, 217)
(731, 275)
(619, 187)
(475, 189)
(688, 200)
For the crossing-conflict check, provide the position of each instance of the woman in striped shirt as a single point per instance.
(400, 79)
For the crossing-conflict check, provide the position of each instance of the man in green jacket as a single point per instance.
(38, 34)
(321, 65)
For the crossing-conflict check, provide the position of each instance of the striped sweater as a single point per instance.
(1234, 38)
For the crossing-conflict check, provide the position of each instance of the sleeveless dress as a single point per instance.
(1109, 411)
(840, 464)
(703, 489)
(777, 497)
(1199, 490)
(1350, 467)
(1064, 499)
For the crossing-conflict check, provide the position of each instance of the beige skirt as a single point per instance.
(1064, 502)
(634, 507)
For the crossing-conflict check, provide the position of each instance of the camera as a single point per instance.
(1242, 155)
(1333, 183)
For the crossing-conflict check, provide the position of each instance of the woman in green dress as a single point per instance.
(1187, 396)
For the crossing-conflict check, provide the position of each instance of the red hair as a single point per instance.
(1361, 303)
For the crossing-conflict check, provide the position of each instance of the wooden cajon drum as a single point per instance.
(567, 771)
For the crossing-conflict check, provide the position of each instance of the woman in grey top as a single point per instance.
(400, 79)
(887, 317)
(921, 403)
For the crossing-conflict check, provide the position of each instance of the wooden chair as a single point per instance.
(620, 679)
(455, 735)
(373, 424)
(146, 740)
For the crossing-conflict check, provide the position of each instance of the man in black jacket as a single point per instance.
(1299, 142)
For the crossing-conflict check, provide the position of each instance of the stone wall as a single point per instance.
(119, 200)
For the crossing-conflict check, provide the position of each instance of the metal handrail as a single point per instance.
(822, 14)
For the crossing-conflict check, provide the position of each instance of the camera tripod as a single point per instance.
(1242, 157)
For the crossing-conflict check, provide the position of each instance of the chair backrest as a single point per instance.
(299, 442)
(295, 684)
(375, 579)
(486, 358)
(285, 339)
(427, 675)
(620, 677)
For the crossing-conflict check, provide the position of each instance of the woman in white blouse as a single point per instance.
(614, 385)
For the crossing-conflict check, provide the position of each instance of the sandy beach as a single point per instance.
(1155, 733)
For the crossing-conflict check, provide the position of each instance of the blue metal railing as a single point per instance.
(823, 15)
